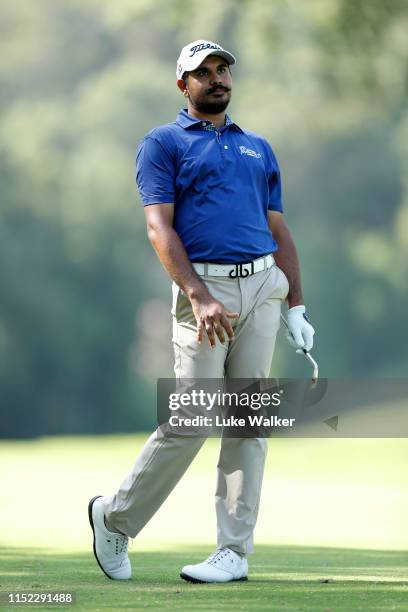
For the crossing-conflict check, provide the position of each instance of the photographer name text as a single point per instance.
(252, 420)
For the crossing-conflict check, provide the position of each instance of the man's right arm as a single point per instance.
(211, 315)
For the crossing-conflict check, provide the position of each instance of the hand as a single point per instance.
(213, 318)
(301, 332)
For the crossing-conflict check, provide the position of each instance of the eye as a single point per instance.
(222, 69)
(201, 73)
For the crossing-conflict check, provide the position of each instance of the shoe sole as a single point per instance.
(197, 581)
(91, 503)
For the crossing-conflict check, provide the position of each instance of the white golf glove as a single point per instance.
(301, 332)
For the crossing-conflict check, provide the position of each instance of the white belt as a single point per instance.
(239, 270)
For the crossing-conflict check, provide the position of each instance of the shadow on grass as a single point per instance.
(281, 577)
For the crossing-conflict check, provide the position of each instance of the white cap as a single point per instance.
(195, 52)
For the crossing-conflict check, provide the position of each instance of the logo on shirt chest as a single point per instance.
(250, 152)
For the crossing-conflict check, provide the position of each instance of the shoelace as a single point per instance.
(121, 544)
(122, 541)
(124, 545)
(217, 556)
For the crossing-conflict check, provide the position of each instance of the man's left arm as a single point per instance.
(286, 256)
(287, 259)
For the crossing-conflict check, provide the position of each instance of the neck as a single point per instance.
(218, 120)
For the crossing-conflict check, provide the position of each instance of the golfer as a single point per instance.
(212, 197)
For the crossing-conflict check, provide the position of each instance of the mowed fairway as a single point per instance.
(332, 532)
(282, 578)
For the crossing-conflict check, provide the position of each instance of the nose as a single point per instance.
(215, 79)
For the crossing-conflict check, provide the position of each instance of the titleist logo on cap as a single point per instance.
(202, 47)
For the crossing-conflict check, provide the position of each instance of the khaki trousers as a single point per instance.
(164, 459)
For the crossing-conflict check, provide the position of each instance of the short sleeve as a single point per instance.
(275, 191)
(155, 173)
(274, 183)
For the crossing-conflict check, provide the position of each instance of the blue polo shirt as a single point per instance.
(222, 183)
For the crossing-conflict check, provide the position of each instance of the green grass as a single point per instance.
(281, 578)
(332, 509)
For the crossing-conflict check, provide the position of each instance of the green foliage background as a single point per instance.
(84, 304)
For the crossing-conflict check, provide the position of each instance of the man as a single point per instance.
(212, 197)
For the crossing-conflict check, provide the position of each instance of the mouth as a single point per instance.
(218, 92)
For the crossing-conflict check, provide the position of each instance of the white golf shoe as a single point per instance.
(110, 549)
(223, 565)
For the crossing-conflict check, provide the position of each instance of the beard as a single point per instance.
(209, 106)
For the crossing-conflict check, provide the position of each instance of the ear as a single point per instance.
(182, 85)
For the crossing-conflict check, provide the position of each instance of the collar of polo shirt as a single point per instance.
(186, 121)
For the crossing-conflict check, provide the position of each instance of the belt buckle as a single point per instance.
(240, 272)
